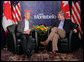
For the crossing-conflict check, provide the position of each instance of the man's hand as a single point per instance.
(28, 31)
(75, 30)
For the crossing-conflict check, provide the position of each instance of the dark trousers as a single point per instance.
(24, 43)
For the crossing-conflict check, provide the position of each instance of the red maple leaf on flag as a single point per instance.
(7, 10)
(7, 16)
(65, 9)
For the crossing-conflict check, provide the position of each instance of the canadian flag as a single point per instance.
(7, 16)
(65, 9)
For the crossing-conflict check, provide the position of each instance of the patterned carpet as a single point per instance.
(43, 56)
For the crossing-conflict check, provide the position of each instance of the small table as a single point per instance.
(42, 33)
(42, 38)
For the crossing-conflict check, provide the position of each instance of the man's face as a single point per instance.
(27, 16)
(60, 17)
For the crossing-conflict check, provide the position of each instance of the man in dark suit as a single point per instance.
(25, 27)
(59, 30)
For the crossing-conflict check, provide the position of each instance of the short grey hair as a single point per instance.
(25, 13)
(61, 13)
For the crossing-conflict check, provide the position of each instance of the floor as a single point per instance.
(42, 56)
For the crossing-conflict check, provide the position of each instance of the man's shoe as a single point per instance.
(52, 54)
(43, 43)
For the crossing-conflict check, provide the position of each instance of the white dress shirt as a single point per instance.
(26, 25)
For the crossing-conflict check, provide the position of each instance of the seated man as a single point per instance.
(59, 30)
(25, 27)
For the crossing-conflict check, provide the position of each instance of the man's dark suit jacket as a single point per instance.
(68, 25)
(21, 26)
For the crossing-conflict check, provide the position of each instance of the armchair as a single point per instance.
(14, 39)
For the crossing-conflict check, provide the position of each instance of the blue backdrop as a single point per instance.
(44, 12)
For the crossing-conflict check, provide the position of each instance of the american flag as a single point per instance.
(16, 13)
(76, 15)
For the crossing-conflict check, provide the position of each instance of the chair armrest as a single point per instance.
(34, 34)
(70, 35)
(70, 39)
(36, 37)
(11, 38)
